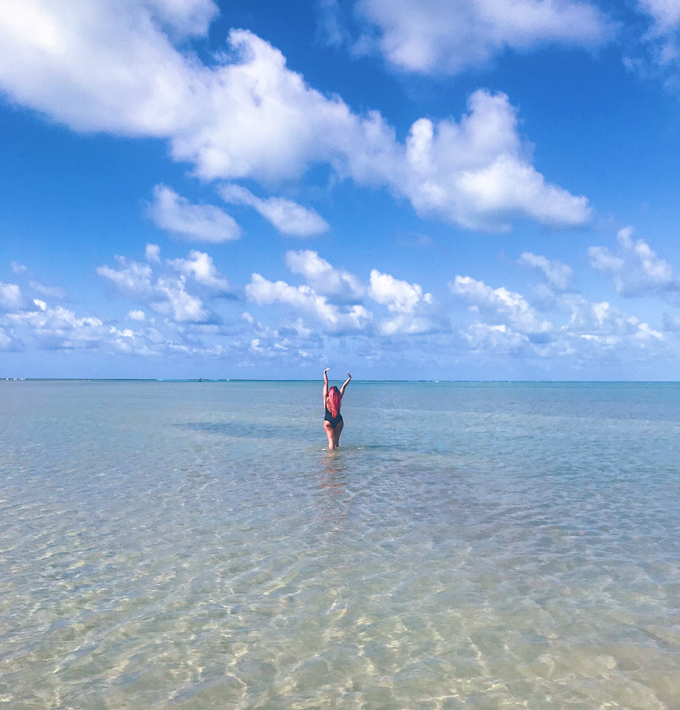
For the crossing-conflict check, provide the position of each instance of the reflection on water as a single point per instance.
(170, 545)
(333, 485)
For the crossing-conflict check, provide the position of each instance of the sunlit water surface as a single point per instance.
(192, 545)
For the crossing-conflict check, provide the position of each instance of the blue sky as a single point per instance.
(417, 189)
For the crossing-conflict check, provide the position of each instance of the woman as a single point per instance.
(332, 421)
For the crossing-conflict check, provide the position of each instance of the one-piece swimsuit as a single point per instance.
(334, 421)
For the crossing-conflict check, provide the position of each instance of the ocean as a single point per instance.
(470, 545)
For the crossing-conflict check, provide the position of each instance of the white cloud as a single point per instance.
(59, 328)
(502, 303)
(656, 51)
(152, 253)
(330, 23)
(596, 318)
(110, 67)
(305, 298)
(447, 36)
(18, 268)
(330, 293)
(200, 266)
(299, 328)
(131, 278)
(287, 216)
(558, 275)
(137, 315)
(603, 260)
(7, 342)
(10, 296)
(49, 291)
(637, 270)
(398, 296)
(664, 13)
(194, 222)
(405, 324)
(322, 277)
(403, 299)
(177, 303)
(498, 338)
(590, 330)
(644, 332)
(185, 17)
(476, 173)
(606, 326)
(165, 294)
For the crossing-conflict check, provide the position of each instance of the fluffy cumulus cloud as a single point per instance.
(174, 288)
(383, 317)
(500, 303)
(10, 296)
(335, 298)
(173, 300)
(130, 278)
(324, 278)
(404, 300)
(635, 269)
(476, 172)
(177, 215)
(116, 67)
(304, 298)
(201, 267)
(59, 328)
(287, 216)
(505, 322)
(568, 328)
(167, 292)
(447, 36)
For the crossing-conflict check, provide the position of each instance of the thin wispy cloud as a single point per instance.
(194, 222)
(558, 274)
(287, 216)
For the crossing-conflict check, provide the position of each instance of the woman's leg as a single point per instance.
(336, 433)
(330, 434)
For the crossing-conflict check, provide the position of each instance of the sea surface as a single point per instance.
(193, 545)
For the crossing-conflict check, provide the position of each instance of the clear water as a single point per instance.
(186, 545)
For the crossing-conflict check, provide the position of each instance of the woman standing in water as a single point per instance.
(332, 421)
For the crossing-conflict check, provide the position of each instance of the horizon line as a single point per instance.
(356, 381)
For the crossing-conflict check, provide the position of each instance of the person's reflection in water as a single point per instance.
(333, 488)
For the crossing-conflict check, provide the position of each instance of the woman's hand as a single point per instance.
(345, 383)
(327, 369)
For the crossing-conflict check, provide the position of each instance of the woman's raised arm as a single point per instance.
(325, 384)
(345, 383)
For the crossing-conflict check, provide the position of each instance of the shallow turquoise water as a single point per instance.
(186, 545)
